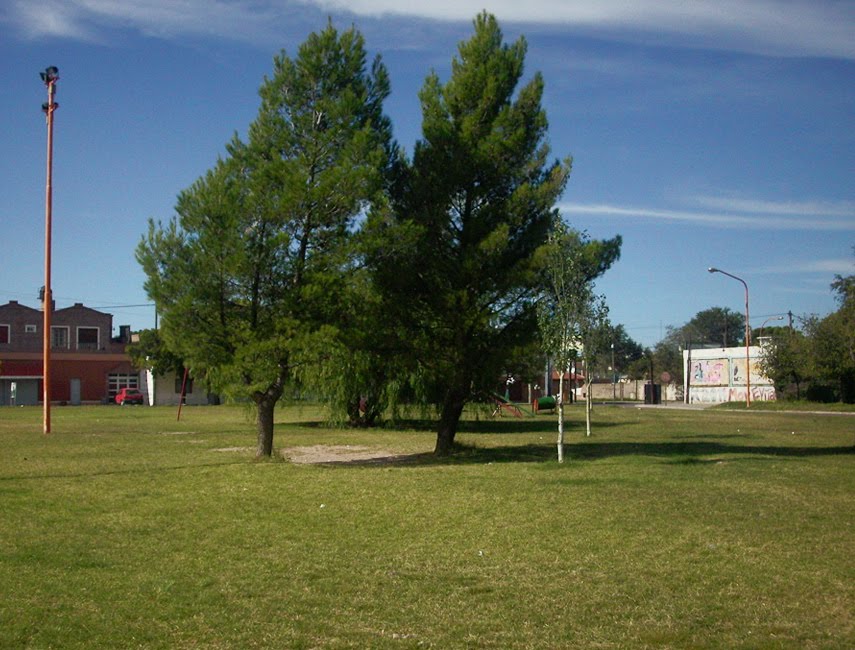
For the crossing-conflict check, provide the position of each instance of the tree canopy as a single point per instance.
(716, 326)
(456, 259)
(247, 276)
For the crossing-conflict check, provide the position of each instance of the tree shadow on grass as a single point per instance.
(124, 471)
(677, 453)
(505, 425)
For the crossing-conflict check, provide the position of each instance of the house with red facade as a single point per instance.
(87, 364)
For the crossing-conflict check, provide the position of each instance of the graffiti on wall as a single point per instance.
(725, 372)
(719, 394)
(723, 378)
(710, 372)
(738, 373)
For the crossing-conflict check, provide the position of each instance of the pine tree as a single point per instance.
(457, 265)
(247, 276)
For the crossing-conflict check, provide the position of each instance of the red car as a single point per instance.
(129, 396)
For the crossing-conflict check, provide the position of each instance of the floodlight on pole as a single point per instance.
(50, 76)
(713, 269)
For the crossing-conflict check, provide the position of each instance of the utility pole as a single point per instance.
(50, 76)
(712, 269)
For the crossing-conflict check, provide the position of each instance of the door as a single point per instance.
(75, 392)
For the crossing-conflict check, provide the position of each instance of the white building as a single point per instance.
(165, 390)
(718, 375)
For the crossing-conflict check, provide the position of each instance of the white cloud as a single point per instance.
(844, 209)
(90, 19)
(827, 267)
(754, 220)
(48, 18)
(776, 27)
(781, 27)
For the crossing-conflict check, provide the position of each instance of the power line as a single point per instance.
(147, 304)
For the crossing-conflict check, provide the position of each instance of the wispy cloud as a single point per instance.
(826, 267)
(92, 20)
(781, 27)
(836, 219)
(48, 18)
(845, 209)
(776, 27)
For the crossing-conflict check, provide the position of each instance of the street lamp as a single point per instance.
(780, 317)
(712, 269)
(614, 374)
(50, 76)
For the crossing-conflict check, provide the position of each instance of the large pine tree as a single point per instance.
(458, 263)
(247, 276)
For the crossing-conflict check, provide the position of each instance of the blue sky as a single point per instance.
(708, 133)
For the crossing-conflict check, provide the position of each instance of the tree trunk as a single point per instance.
(561, 417)
(264, 425)
(354, 417)
(265, 403)
(589, 405)
(452, 408)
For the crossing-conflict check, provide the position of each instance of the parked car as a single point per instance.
(129, 396)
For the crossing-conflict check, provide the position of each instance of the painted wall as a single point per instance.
(719, 375)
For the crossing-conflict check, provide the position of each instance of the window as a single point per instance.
(87, 338)
(4, 333)
(31, 329)
(59, 337)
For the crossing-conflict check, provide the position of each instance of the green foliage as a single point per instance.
(248, 275)
(572, 318)
(717, 326)
(833, 341)
(456, 258)
(567, 295)
(151, 353)
(357, 376)
(785, 359)
(627, 351)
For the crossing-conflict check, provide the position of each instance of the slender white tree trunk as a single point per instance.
(589, 405)
(561, 417)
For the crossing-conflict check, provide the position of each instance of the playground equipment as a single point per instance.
(545, 403)
(503, 404)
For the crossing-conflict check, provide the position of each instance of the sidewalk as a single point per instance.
(670, 405)
(700, 407)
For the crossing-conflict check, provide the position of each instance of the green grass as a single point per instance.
(791, 405)
(667, 529)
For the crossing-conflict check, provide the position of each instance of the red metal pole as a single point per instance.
(50, 78)
(183, 388)
(747, 354)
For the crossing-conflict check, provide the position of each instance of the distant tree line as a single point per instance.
(816, 361)
(812, 358)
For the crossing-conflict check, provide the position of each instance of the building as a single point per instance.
(718, 375)
(88, 365)
(165, 390)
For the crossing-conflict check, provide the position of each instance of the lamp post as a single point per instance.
(50, 76)
(712, 269)
(780, 317)
(614, 374)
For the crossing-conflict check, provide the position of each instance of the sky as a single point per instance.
(707, 133)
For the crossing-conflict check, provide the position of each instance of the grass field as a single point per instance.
(667, 529)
